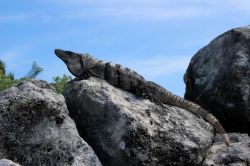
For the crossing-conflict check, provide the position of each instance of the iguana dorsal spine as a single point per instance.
(84, 66)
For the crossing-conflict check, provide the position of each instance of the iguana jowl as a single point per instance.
(84, 66)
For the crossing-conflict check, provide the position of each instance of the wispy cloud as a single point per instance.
(160, 65)
(14, 17)
(136, 10)
(141, 13)
(11, 55)
(127, 9)
(131, 2)
(243, 5)
(14, 57)
(26, 17)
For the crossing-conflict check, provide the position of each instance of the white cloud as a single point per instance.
(26, 17)
(140, 13)
(137, 10)
(132, 2)
(127, 9)
(160, 65)
(14, 57)
(14, 17)
(11, 55)
(242, 5)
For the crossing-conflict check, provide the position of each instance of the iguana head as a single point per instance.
(72, 60)
(78, 64)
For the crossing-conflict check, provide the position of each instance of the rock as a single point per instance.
(127, 130)
(218, 78)
(6, 162)
(237, 155)
(35, 128)
(42, 84)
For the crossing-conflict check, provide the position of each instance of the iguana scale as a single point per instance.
(83, 66)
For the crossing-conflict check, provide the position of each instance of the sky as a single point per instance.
(156, 38)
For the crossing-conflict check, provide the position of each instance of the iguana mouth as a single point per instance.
(62, 54)
(58, 51)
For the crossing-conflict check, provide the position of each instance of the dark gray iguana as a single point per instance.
(83, 66)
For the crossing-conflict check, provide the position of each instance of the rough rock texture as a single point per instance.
(43, 84)
(6, 162)
(35, 128)
(237, 155)
(218, 78)
(127, 130)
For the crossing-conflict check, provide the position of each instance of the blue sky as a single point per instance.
(156, 38)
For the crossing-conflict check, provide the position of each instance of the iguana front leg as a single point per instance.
(85, 74)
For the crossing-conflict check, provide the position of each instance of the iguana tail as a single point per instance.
(161, 95)
(197, 110)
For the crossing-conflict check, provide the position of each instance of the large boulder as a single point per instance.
(35, 128)
(126, 130)
(218, 78)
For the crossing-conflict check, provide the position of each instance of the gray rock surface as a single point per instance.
(236, 155)
(6, 162)
(218, 78)
(127, 130)
(42, 84)
(35, 128)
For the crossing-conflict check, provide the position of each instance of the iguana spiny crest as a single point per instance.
(84, 66)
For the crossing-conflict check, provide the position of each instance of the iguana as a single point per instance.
(83, 66)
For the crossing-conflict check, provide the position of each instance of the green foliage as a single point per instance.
(7, 80)
(61, 83)
(11, 76)
(34, 71)
(2, 68)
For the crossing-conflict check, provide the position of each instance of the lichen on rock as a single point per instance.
(35, 128)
